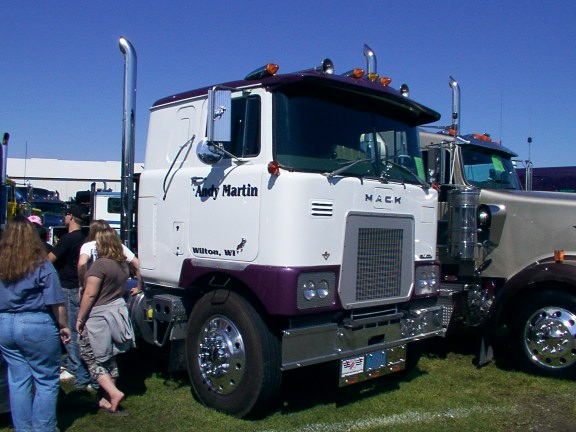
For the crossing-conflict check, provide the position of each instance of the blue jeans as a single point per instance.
(74, 362)
(30, 344)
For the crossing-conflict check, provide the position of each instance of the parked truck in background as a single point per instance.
(508, 256)
(101, 203)
(13, 200)
(282, 223)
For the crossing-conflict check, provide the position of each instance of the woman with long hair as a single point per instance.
(32, 324)
(103, 322)
(88, 255)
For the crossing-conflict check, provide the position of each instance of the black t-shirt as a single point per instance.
(67, 252)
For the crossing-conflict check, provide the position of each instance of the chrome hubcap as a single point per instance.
(550, 337)
(221, 355)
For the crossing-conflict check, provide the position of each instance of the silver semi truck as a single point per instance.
(508, 256)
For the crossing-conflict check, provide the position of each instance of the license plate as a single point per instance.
(363, 367)
(352, 366)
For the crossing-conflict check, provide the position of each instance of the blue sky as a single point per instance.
(61, 72)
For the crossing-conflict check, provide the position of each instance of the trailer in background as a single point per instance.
(553, 179)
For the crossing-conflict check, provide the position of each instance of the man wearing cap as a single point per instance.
(64, 256)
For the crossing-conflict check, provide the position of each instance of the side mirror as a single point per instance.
(433, 159)
(219, 115)
(208, 152)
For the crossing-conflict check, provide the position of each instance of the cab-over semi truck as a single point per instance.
(282, 223)
(508, 256)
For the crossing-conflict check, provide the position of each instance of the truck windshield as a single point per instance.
(488, 169)
(347, 134)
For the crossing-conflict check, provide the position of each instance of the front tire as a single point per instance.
(233, 358)
(544, 334)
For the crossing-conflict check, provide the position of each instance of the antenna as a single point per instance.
(529, 167)
(25, 159)
(501, 114)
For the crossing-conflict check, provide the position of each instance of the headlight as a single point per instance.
(323, 289)
(309, 290)
(484, 221)
(484, 217)
(427, 280)
(316, 290)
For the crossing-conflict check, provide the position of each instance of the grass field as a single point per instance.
(446, 392)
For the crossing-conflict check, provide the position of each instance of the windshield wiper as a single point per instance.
(347, 165)
(383, 178)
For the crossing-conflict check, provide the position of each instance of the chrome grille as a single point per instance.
(379, 263)
(378, 260)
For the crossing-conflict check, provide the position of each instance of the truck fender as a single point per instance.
(536, 277)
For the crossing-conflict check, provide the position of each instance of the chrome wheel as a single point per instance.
(221, 355)
(234, 360)
(550, 337)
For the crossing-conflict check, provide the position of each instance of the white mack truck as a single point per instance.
(508, 256)
(282, 223)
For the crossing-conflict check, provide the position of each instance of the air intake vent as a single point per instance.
(321, 209)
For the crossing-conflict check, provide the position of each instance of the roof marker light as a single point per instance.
(373, 76)
(385, 81)
(263, 72)
(355, 73)
(482, 137)
(559, 255)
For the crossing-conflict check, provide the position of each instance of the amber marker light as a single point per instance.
(272, 68)
(355, 73)
(385, 81)
(482, 137)
(559, 255)
(263, 72)
(373, 76)
(274, 168)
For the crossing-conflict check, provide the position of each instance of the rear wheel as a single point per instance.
(233, 358)
(544, 334)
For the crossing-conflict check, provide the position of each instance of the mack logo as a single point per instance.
(388, 199)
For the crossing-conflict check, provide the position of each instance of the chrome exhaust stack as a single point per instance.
(4, 157)
(370, 61)
(455, 104)
(128, 143)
